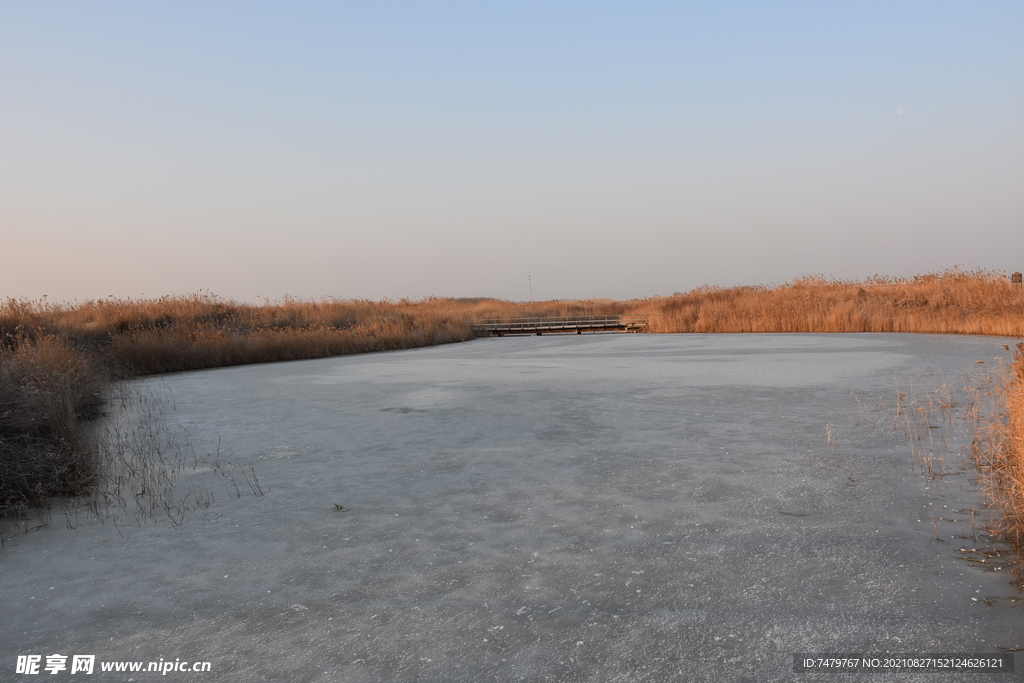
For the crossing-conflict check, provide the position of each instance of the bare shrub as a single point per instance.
(148, 468)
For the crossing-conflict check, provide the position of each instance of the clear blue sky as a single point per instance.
(454, 149)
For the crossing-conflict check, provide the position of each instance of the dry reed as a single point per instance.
(951, 302)
(999, 450)
(48, 393)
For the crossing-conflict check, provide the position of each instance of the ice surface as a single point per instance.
(583, 508)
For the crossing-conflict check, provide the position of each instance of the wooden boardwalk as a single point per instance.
(563, 325)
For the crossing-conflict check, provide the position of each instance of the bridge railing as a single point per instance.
(560, 323)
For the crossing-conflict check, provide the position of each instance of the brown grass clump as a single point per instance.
(1014, 472)
(1011, 478)
(999, 452)
(48, 394)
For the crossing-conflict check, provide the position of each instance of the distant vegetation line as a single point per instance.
(952, 302)
(56, 362)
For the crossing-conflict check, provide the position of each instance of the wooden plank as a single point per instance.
(559, 325)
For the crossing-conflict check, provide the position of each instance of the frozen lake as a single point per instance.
(595, 508)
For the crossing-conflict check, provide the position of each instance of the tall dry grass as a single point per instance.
(1014, 473)
(999, 451)
(203, 331)
(49, 391)
(951, 302)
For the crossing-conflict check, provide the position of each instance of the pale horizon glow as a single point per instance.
(589, 150)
